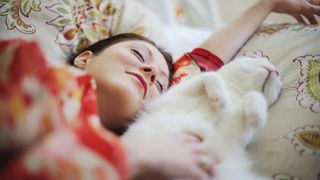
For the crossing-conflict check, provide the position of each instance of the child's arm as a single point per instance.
(228, 40)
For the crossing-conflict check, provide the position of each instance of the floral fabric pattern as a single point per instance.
(184, 68)
(40, 137)
(306, 140)
(254, 54)
(274, 29)
(285, 176)
(294, 119)
(61, 27)
(309, 82)
(197, 61)
(82, 22)
(17, 10)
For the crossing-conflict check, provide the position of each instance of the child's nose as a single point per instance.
(150, 72)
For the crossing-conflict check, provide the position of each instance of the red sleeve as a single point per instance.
(198, 60)
(206, 60)
(49, 126)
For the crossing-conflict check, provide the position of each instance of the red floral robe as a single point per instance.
(49, 127)
(197, 61)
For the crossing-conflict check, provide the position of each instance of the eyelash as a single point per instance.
(160, 86)
(137, 52)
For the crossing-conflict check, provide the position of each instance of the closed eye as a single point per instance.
(159, 86)
(138, 54)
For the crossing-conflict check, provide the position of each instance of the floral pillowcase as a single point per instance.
(62, 27)
(289, 146)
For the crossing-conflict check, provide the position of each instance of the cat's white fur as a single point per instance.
(223, 108)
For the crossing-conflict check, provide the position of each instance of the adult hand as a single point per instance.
(299, 9)
(167, 157)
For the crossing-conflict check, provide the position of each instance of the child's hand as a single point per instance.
(298, 9)
(168, 157)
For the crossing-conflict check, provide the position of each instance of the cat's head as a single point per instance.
(246, 74)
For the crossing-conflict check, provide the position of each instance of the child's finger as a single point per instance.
(311, 18)
(313, 8)
(299, 18)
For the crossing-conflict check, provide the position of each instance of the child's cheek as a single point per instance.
(153, 92)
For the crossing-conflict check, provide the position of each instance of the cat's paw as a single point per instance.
(271, 88)
(255, 109)
(216, 90)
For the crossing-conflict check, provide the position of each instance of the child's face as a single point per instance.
(128, 74)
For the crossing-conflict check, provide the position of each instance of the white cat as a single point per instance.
(223, 108)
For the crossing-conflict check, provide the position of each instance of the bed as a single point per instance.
(287, 148)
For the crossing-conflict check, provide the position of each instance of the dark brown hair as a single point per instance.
(99, 46)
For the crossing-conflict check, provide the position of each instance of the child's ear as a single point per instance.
(82, 59)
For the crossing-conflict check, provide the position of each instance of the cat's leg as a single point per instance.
(272, 88)
(209, 83)
(255, 112)
(255, 109)
(216, 90)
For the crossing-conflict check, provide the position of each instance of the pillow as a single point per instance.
(288, 147)
(60, 27)
(136, 18)
(63, 27)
